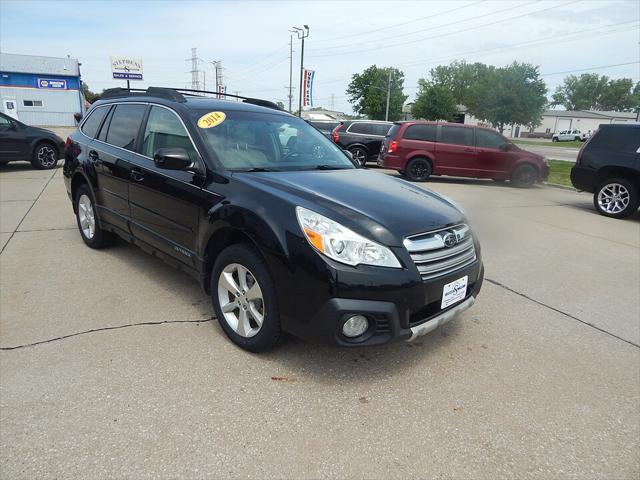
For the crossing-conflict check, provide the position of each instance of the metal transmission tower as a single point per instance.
(195, 73)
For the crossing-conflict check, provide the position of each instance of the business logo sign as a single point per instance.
(307, 87)
(52, 83)
(126, 68)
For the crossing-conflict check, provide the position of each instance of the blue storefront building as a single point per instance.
(42, 91)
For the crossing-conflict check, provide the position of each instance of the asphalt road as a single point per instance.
(111, 366)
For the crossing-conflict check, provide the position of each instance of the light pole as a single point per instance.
(386, 114)
(302, 34)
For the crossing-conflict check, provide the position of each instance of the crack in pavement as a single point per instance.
(102, 329)
(584, 322)
(29, 210)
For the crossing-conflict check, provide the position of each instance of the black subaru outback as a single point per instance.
(276, 222)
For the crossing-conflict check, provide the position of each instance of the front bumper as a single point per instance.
(405, 312)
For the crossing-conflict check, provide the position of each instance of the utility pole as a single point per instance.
(302, 34)
(290, 71)
(333, 98)
(219, 80)
(386, 115)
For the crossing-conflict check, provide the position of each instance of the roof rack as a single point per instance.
(176, 94)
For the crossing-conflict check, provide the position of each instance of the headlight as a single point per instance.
(341, 244)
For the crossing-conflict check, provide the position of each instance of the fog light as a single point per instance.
(355, 326)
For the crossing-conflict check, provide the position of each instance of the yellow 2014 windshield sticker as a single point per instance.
(211, 119)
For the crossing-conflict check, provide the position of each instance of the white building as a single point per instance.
(41, 91)
(554, 121)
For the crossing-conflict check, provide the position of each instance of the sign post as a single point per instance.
(126, 68)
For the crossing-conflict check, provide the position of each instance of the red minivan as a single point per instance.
(419, 149)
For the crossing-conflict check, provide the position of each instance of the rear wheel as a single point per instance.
(554, 139)
(616, 197)
(244, 299)
(92, 234)
(45, 156)
(524, 176)
(418, 170)
(359, 155)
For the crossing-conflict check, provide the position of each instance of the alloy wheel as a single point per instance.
(86, 216)
(241, 301)
(613, 198)
(359, 156)
(46, 156)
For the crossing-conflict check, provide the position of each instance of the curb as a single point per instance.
(562, 187)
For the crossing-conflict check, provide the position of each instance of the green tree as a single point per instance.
(280, 105)
(434, 102)
(510, 95)
(460, 77)
(580, 93)
(368, 92)
(619, 96)
(88, 94)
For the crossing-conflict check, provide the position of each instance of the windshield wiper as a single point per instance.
(254, 169)
(330, 167)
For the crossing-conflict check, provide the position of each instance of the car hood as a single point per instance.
(45, 133)
(383, 207)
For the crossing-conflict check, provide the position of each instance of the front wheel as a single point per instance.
(244, 299)
(616, 198)
(359, 155)
(524, 176)
(418, 170)
(45, 156)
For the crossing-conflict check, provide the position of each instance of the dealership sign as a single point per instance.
(126, 68)
(52, 83)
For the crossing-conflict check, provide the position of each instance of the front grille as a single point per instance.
(442, 251)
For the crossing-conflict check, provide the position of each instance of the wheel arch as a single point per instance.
(420, 154)
(618, 172)
(77, 180)
(358, 145)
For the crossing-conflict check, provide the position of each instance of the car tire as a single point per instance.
(418, 170)
(45, 156)
(554, 139)
(524, 176)
(359, 155)
(616, 198)
(87, 220)
(254, 321)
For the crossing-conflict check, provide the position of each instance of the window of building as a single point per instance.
(32, 103)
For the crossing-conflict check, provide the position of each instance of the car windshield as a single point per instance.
(250, 141)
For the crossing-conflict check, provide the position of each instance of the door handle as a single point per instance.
(469, 150)
(136, 175)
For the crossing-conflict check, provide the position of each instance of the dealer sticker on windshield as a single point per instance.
(454, 292)
(211, 119)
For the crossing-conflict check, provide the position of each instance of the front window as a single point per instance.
(263, 141)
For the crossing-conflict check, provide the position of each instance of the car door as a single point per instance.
(165, 203)
(455, 151)
(14, 142)
(493, 157)
(111, 155)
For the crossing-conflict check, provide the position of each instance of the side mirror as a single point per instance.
(77, 116)
(172, 159)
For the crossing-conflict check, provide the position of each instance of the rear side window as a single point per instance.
(381, 129)
(164, 130)
(393, 130)
(457, 135)
(124, 126)
(363, 128)
(426, 133)
(625, 140)
(487, 139)
(92, 123)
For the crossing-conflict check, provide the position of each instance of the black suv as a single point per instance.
(18, 141)
(278, 224)
(363, 138)
(325, 126)
(608, 166)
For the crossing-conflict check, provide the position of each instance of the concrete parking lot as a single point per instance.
(112, 367)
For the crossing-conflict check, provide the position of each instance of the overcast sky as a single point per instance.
(252, 39)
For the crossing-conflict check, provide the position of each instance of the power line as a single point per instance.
(397, 24)
(444, 34)
(589, 68)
